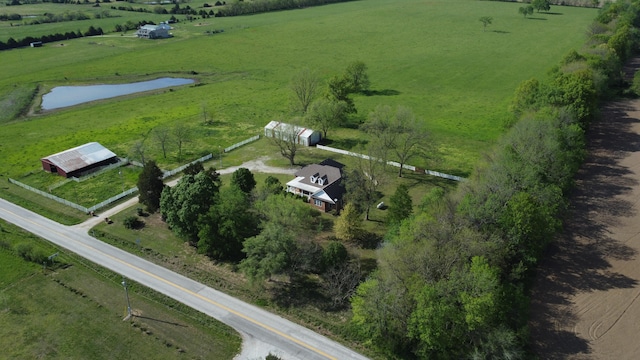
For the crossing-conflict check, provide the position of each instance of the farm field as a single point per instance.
(47, 314)
(433, 57)
(585, 298)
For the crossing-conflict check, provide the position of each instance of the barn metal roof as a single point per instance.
(80, 157)
(280, 126)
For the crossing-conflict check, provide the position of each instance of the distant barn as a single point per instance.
(79, 160)
(303, 136)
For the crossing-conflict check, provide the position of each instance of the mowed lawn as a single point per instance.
(76, 312)
(432, 56)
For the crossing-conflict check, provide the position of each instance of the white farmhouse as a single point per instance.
(154, 31)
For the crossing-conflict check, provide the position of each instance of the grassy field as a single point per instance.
(48, 314)
(431, 56)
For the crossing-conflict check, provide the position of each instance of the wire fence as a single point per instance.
(394, 163)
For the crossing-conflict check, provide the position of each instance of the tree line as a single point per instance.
(13, 43)
(239, 8)
(453, 279)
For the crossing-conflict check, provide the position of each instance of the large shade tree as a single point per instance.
(182, 204)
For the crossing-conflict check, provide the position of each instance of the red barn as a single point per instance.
(79, 160)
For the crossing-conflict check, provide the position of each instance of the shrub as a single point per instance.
(27, 252)
(635, 86)
(131, 222)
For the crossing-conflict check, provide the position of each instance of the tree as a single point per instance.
(400, 205)
(397, 132)
(139, 151)
(525, 10)
(485, 20)
(286, 139)
(338, 89)
(356, 75)
(363, 180)
(193, 168)
(335, 254)
(304, 85)
(181, 135)
(411, 136)
(162, 136)
(348, 226)
(268, 253)
(326, 114)
(341, 281)
(182, 204)
(541, 5)
(272, 185)
(150, 186)
(244, 180)
(528, 96)
(381, 126)
(226, 225)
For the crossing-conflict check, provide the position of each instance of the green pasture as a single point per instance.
(75, 310)
(432, 56)
(19, 29)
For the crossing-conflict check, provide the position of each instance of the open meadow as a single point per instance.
(48, 313)
(432, 56)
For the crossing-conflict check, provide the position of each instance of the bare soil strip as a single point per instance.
(586, 296)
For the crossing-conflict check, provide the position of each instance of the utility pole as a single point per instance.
(126, 293)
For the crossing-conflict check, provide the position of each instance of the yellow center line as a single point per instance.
(245, 317)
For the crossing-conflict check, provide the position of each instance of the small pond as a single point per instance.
(63, 96)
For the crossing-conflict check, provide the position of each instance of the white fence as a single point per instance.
(237, 145)
(72, 204)
(113, 199)
(392, 163)
(122, 162)
(166, 174)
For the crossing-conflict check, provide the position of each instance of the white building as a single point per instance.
(154, 31)
(303, 136)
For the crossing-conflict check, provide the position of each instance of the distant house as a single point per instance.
(154, 31)
(79, 160)
(303, 136)
(321, 184)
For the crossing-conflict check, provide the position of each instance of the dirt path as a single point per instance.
(586, 298)
(256, 166)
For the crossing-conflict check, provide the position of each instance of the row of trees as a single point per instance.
(13, 44)
(130, 25)
(165, 139)
(254, 7)
(452, 280)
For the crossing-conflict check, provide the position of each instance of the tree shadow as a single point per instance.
(368, 240)
(161, 321)
(385, 92)
(580, 259)
(345, 143)
(501, 32)
(553, 13)
(536, 18)
(299, 291)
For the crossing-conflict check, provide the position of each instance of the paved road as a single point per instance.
(289, 340)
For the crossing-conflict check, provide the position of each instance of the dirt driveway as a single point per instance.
(586, 298)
